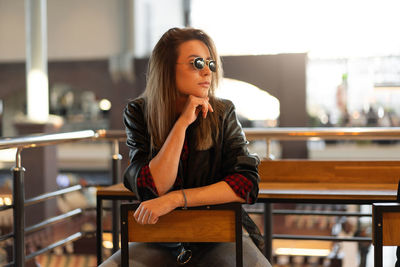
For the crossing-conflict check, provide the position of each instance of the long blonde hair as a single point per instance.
(161, 93)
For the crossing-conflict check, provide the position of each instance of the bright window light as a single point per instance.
(250, 101)
(7, 155)
(332, 28)
(302, 252)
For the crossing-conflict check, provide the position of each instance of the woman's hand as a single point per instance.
(193, 106)
(151, 210)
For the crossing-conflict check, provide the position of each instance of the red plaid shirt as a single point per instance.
(239, 184)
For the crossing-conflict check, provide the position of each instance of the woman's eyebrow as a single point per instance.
(198, 56)
(193, 56)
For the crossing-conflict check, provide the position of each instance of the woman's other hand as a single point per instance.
(150, 211)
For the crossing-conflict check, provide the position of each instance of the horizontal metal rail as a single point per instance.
(38, 140)
(111, 134)
(46, 196)
(279, 133)
(335, 133)
(322, 238)
(70, 238)
(6, 236)
(299, 133)
(52, 220)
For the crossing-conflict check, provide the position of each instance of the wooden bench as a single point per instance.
(326, 181)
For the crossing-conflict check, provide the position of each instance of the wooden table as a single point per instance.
(327, 192)
(113, 192)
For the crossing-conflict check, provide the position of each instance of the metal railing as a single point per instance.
(314, 134)
(19, 202)
(115, 137)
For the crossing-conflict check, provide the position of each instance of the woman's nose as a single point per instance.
(206, 71)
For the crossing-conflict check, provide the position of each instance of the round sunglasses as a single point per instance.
(199, 63)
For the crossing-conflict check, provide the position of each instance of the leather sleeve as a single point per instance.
(236, 158)
(138, 142)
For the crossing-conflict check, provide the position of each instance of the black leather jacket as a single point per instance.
(228, 155)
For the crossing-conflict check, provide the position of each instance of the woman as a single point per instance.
(187, 149)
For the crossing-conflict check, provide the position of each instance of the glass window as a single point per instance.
(334, 28)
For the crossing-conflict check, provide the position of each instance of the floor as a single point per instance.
(53, 260)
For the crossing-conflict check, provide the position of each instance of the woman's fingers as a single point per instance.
(204, 107)
(210, 108)
(149, 211)
(144, 215)
(138, 215)
(144, 218)
(207, 108)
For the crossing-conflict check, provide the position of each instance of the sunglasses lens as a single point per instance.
(199, 63)
(212, 65)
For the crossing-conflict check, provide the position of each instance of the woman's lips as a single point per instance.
(204, 84)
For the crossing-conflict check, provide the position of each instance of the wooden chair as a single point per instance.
(216, 223)
(386, 227)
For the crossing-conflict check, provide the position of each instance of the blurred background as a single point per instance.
(287, 63)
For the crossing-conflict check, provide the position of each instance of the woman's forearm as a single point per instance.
(164, 166)
(150, 211)
(217, 193)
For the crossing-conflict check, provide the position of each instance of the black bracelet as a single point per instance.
(185, 200)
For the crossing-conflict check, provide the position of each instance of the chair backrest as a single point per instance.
(391, 226)
(386, 228)
(216, 223)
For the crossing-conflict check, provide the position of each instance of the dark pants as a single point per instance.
(207, 255)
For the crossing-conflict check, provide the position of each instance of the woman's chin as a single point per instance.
(203, 93)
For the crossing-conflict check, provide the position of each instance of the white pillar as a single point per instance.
(37, 84)
(121, 65)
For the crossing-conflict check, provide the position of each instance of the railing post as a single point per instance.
(269, 153)
(268, 231)
(99, 230)
(116, 174)
(19, 212)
